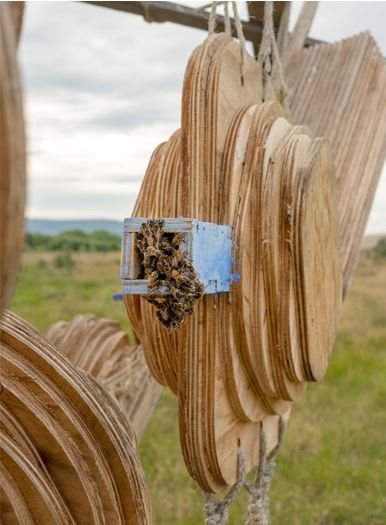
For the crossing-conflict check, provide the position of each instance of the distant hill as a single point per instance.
(52, 226)
(369, 241)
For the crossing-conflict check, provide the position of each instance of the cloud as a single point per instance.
(103, 89)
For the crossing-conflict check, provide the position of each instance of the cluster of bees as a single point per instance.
(173, 284)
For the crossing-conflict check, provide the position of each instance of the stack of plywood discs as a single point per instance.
(68, 454)
(339, 91)
(243, 358)
(100, 348)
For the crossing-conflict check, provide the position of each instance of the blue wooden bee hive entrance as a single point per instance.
(208, 246)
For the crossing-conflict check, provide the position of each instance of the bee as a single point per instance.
(174, 324)
(166, 247)
(176, 276)
(153, 277)
(176, 241)
(153, 251)
(176, 294)
(159, 299)
(164, 268)
(163, 315)
(140, 244)
(176, 258)
(146, 261)
(178, 309)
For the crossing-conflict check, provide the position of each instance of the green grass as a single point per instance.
(332, 470)
(46, 294)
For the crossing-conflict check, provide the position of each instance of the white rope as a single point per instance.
(227, 23)
(216, 511)
(212, 22)
(258, 507)
(241, 37)
(269, 58)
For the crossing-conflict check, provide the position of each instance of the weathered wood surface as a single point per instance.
(100, 348)
(191, 17)
(12, 151)
(68, 453)
(301, 29)
(256, 15)
(241, 360)
(339, 91)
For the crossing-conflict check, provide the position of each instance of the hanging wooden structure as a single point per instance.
(68, 453)
(12, 151)
(197, 17)
(100, 348)
(242, 359)
(297, 207)
(339, 91)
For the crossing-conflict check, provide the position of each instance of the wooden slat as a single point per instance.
(100, 348)
(338, 90)
(66, 445)
(17, 13)
(181, 14)
(282, 33)
(12, 152)
(256, 15)
(256, 11)
(301, 29)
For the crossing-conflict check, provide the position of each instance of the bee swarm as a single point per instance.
(165, 265)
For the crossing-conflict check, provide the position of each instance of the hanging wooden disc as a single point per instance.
(100, 348)
(59, 420)
(12, 152)
(241, 358)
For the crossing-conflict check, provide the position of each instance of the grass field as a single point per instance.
(332, 470)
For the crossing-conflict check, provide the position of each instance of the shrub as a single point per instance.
(74, 241)
(64, 260)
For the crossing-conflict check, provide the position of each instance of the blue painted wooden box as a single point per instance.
(207, 245)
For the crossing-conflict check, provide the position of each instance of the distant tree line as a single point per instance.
(74, 240)
(378, 252)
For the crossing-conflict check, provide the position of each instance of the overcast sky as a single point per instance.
(103, 88)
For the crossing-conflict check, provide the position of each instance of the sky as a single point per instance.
(103, 89)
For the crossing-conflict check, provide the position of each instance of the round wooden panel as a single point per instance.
(66, 445)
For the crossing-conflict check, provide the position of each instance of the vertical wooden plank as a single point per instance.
(301, 29)
(12, 152)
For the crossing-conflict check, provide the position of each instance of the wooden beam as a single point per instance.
(256, 15)
(180, 14)
(301, 29)
(17, 14)
(256, 12)
(282, 36)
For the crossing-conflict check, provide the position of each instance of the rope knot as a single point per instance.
(273, 75)
(228, 29)
(216, 512)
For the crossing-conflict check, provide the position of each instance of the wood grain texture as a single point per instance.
(301, 30)
(241, 359)
(339, 91)
(12, 152)
(68, 452)
(100, 348)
